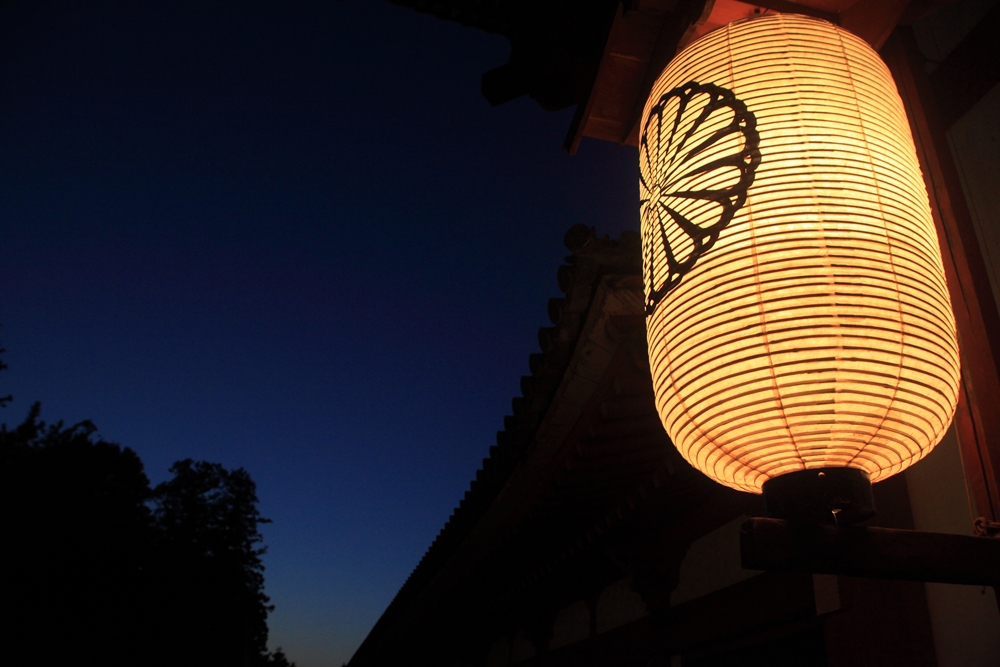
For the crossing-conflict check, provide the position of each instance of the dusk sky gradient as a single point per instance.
(291, 237)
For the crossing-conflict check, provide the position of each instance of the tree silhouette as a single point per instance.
(4, 400)
(207, 547)
(77, 528)
(102, 568)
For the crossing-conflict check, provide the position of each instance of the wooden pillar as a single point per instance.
(977, 419)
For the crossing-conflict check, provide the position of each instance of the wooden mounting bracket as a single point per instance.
(864, 551)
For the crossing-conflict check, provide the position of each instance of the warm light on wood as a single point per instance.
(803, 322)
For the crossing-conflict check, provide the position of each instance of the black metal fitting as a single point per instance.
(837, 496)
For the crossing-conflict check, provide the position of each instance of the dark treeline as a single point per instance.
(103, 569)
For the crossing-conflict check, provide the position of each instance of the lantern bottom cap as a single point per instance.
(820, 495)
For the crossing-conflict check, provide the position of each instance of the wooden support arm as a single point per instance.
(861, 551)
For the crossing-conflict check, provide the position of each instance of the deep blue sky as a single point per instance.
(292, 237)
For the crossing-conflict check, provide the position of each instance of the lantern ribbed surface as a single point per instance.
(803, 322)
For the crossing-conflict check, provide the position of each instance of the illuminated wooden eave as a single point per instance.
(646, 34)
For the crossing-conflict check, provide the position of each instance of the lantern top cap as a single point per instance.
(791, 18)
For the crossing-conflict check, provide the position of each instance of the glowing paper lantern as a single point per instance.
(797, 311)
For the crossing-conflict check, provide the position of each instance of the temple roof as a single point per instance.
(583, 468)
(603, 56)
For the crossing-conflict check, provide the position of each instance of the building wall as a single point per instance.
(975, 146)
(617, 605)
(965, 620)
(572, 625)
(712, 563)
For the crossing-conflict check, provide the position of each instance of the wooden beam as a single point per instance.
(978, 417)
(578, 125)
(789, 7)
(865, 551)
(873, 20)
(969, 71)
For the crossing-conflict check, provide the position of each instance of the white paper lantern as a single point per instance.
(798, 315)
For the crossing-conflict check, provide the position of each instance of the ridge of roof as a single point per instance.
(591, 259)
